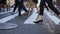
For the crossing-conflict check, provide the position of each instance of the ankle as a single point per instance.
(40, 17)
(59, 14)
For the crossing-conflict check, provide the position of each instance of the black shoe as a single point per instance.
(59, 16)
(19, 15)
(38, 21)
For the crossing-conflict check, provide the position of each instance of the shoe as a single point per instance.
(59, 16)
(12, 13)
(19, 15)
(38, 21)
(37, 11)
(0, 10)
(26, 13)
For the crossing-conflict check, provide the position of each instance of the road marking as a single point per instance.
(7, 11)
(53, 18)
(9, 17)
(32, 18)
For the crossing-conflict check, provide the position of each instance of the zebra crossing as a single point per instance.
(4, 25)
(29, 20)
(8, 18)
(11, 9)
(5, 19)
(32, 18)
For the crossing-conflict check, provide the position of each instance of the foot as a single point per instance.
(0, 10)
(59, 16)
(12, 13)
(40, 19)
(26, 13)
(37, 11)
(19, 15)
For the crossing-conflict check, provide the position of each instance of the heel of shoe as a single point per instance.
(38, 21)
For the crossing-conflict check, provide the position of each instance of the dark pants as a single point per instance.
(46, 6)
(20, 6)
(50, 5)
(16, 5)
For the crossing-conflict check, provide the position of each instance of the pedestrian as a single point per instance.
(4, 3)
(0, 5)
(36, 2)
(50, 5)
(20, 5)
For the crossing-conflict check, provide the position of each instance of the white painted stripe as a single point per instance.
(4, 12)
(9, 17)
(32, 18)
(7, 11)
(55, 19)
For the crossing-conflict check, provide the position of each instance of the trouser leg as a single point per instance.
(41, 7)
(15, 8)
(51, 6)
(0, 8)
(46, 6)
(24, 8)
(19, 10)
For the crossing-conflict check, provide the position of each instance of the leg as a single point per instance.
(26, 11)
(23, 7)
(36, 7)
(52, 7)
(5, 7)
(31, 5)
(0, 7)
(14, 9)
(46, 6)
(41, 7)
(40, 17)
(19, 10)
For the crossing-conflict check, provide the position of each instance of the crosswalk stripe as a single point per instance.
(53, 18)
(9, 17)
(7, 11)
(32, 18)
